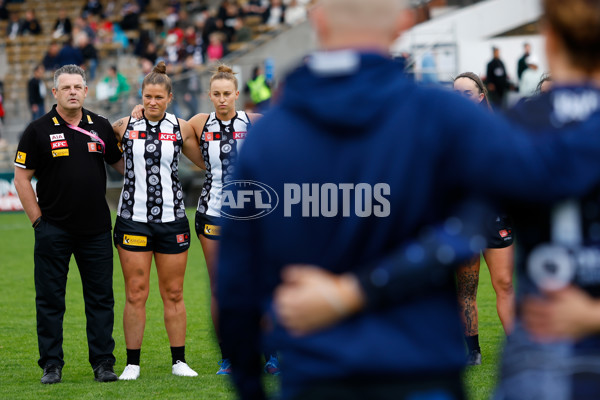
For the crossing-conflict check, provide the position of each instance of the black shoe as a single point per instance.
(474, 358)
(52, 374)
(104, 372)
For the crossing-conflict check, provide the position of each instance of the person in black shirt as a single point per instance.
(522, 63)
(65, 150)
(36, 92)
(63, 25)
(31, 25)
(497, 80)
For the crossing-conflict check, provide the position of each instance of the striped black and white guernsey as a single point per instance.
(220, 143)
(151, 190)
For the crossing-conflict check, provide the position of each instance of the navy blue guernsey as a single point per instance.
(396, 156)
(559, 245)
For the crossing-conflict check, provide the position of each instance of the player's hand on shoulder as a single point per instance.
(138, 111)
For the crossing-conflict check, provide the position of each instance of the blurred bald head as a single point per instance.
(359, 23)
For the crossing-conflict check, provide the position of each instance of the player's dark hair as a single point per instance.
(158, 76)
(479, 83)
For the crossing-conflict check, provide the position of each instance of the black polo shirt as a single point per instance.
(69, 167)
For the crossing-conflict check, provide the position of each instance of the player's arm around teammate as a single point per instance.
(151, 219)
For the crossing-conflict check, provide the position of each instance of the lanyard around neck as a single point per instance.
(90, 134)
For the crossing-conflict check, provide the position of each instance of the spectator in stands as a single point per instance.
(211, 24)
(90, 55)
(171, 49)
(259, 89)
(69, 54)
(186, 87)
(63, 25)
(275, 13)
(522, 63)
(4, 14)
(92, 7)
(171, 17)
(497, 80)
(192, 45)
(254, 7)
(243, 33)
(84, 25)
(531, 77)
(36, 92)
(150, 53)
(13, 29)
(216, 47)
(130, 13)
(295, 13)
(232, 12)
(50, 60)
(31, 26)
(118, 88)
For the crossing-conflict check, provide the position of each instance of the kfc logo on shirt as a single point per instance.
(167, 136)
(239, 135)
(59, 144)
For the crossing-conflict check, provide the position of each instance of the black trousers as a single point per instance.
(94, 257)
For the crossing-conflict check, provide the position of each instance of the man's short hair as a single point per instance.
(71, 69)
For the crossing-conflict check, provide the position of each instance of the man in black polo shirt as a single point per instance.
(66, 150)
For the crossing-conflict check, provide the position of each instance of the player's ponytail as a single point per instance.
(224, 72)
(158, 76)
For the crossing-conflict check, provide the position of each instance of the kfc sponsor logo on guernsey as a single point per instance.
(57, 136)
(167, 136)
(239, 135)
(60, 144)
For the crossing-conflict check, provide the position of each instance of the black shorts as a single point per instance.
(208, 226)
(168, 238)
(499, 232)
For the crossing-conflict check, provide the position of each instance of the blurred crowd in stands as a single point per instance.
(178, 30)
(185, 34)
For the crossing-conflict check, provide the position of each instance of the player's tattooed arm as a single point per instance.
(119, 128)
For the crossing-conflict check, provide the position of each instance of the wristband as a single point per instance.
(36, 222)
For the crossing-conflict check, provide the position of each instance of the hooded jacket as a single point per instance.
(358, 160)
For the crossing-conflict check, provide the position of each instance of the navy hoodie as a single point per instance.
(359, 160)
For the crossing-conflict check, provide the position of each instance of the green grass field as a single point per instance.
(20, 374)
